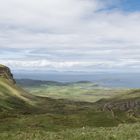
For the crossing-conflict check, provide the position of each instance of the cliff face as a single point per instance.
(5, 72)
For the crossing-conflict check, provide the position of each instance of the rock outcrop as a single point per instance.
(5, 72)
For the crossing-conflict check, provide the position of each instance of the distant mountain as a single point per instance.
(31, 83)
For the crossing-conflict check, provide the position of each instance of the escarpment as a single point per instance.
(5, 72)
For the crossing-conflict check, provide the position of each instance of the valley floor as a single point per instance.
(72, 111)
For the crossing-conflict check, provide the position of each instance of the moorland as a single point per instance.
(47, 110)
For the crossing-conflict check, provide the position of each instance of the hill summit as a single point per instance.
(5, 72)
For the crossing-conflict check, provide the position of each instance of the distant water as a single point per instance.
(122, 80)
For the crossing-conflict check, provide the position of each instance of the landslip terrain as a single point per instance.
(31, 109)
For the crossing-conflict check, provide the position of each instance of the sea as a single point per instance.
(107, 79)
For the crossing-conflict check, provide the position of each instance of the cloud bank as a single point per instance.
(63, 35)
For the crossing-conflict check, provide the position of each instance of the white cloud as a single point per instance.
(77, 33)
(89, 66)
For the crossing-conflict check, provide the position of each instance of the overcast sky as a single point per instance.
(70, 35)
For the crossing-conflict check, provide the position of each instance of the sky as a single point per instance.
(70, 35)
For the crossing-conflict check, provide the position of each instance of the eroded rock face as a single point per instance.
(5, 72)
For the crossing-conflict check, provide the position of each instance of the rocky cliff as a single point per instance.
(5, 72)
(12, 97)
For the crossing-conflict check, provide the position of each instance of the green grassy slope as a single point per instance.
(121, 99)
(86, 111)
(93, 104)
(13, 97)
(122, 132)
(43, 112)
(57, 113)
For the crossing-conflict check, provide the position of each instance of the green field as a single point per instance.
(89, 92)
(68, 111)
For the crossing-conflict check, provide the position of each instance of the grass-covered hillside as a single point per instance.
(66, 111)
(13, 97)
(121, 132)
